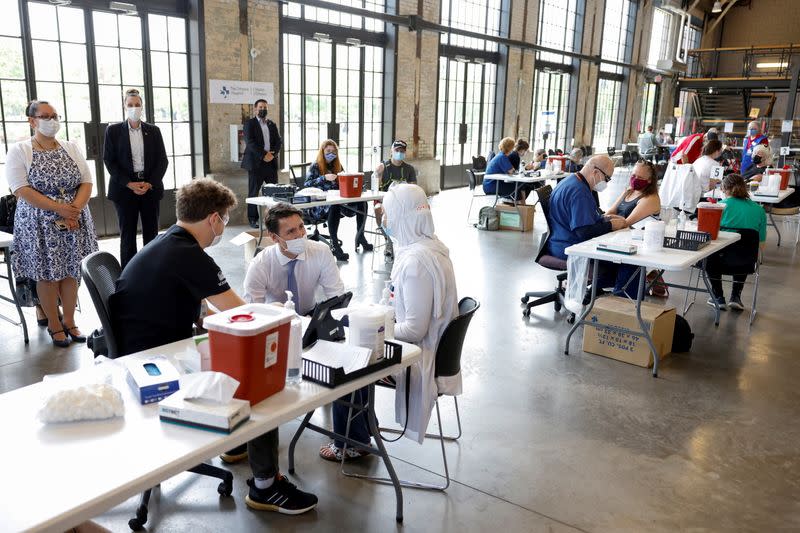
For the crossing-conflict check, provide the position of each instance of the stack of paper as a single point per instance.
(335, 355)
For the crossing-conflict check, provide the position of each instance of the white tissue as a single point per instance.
(214, 386)
(93, 401)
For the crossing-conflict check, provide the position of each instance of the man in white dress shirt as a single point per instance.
(294, 263)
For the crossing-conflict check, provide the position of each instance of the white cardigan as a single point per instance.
(20, 157)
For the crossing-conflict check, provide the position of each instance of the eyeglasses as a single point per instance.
(605, 176)
(647, 162)
(49, 117)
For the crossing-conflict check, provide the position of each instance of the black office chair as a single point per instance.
(557, 295)
(740, 258)
(298, 177)
(448, 363)
(100, 272)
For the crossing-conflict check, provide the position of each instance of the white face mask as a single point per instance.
(48, 127)
(134, 113)
(297, 246)
(600, 186)
(217, 238)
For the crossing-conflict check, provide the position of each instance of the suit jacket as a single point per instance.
(119, 161)
(254, 138)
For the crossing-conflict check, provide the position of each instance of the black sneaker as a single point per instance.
(720, 301)
(282, 497)
(254, 224)
(736, 303)
(235, 455)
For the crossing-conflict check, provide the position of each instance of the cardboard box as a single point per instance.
(247, 240)
(518, 218)
(627, 347)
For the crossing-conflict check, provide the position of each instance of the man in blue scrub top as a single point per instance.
(574, 216)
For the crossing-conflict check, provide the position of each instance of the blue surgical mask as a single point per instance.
(330, 156)
(398, 156)
(752, 132)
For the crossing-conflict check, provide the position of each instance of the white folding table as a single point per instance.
(666, 259)
(6, 241)
(517, 179)
(82, 469)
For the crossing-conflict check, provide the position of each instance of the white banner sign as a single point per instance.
(240, 92)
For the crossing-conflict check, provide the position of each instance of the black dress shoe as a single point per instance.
(74, 337)
(365, 246)
(61, 344)
(254, 224)
(340, 255)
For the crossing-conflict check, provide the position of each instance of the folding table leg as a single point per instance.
(373, 428)
(296, 437)
(639, 298)
(707, 283)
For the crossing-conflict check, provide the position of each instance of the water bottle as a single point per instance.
(295, 357)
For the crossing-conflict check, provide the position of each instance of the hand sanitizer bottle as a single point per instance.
(295, 357)
(388, 303)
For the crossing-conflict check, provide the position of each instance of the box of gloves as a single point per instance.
(152, 378)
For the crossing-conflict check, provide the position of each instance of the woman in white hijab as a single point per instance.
(425, 302)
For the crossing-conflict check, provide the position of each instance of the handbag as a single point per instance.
(25, 289)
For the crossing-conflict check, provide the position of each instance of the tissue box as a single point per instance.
(247, 240)
(152, 379)
(204, 414)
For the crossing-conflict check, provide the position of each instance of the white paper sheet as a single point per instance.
(335, 355)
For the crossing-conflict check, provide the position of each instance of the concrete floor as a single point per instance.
(551, 442)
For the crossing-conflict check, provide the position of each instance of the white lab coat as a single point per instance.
(680, 188)
(425, 302)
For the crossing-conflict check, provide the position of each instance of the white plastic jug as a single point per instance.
(654, 235)
(367, 329)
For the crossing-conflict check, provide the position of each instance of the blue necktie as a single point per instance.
(292, 283)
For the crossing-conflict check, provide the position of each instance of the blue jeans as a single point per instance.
(359, 428)
(614, 275)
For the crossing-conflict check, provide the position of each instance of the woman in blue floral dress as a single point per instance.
(323, 175)
(53, 228)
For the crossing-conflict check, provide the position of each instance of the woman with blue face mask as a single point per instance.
(53, 228)
(323, 174)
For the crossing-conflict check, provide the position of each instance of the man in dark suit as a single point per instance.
(136, 159)
(261, 155)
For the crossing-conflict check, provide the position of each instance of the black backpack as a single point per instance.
(682, 336)
(8, 206)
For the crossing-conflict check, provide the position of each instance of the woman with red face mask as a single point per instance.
(640, 200)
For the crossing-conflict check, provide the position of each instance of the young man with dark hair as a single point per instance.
(263, 143)
(294, 263)
(158, 299)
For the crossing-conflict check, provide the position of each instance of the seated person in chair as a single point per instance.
(740, 213)
(574, 161)
(640, 199)
(574, 215)
(294, 263)
(158, 300)
(762, 160)
(394, 170)
(323, 174)
(501, 164)
(425, 302)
